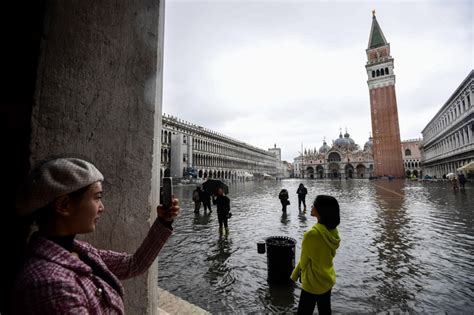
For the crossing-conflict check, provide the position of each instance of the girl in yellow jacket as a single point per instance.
(315, 268)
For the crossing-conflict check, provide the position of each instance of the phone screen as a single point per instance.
(166, 198)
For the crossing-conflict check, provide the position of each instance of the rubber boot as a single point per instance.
(226, 231)
(221, 230)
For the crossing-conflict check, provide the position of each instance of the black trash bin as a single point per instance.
(280, 258)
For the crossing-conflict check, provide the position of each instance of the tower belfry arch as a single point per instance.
(388, 159)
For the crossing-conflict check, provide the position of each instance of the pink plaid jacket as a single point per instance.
(53, 281)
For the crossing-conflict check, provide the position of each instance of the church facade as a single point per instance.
(343, 159)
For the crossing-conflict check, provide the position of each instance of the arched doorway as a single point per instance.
(349, 170)
(360, 170)
(333, 170)
(310, 171)
(320, 171)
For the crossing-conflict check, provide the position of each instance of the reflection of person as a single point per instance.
(60, 274)
(283, 196)
(197, 194)
(315, 268)
(223, 209)
(302, 192)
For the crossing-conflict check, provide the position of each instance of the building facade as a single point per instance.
(411, 153)
(383, 105)
(282, 166)
(343, 159)
(448, 138)
(189, 150)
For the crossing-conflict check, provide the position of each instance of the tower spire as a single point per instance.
(376, 38)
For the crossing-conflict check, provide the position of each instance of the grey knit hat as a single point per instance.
(53, 179)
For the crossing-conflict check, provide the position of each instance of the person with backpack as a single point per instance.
(302, 192)
(283, 196)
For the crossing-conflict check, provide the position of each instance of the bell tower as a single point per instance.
(383, 105)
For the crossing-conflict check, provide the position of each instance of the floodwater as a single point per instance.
(406, 247)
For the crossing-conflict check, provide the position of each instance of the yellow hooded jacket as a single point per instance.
(315, 265)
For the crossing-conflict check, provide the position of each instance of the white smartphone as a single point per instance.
(167, 196)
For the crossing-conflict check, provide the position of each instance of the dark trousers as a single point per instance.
(284, 203)
(308, 302)
(197, 206)
(301, 199)
(222, 217)
(207, 204)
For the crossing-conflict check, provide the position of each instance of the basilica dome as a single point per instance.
(324, 148)
(368, 145)
(349, 139)
(342, 142)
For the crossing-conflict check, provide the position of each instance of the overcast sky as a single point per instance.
(293, 72)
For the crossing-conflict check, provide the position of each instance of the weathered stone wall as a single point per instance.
(98, 96)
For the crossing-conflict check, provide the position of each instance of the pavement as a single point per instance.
(169, 304)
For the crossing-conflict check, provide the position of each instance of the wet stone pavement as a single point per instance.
(406, 247)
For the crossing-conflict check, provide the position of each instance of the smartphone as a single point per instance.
(167, 196)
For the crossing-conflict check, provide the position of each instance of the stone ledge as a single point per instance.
(169, 304)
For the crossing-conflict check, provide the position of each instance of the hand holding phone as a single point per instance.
(167, 193)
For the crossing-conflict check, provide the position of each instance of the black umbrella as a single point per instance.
(211, 186)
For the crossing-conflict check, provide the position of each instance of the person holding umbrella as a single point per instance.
(223, 210)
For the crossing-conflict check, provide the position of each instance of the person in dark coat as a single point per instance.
(302, 192)
(283, 196)
(62, 275)
(206, 200)
(462, 180)
(223, 210)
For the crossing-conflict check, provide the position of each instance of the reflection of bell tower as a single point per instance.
(383, 105)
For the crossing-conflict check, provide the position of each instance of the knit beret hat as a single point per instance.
(53, 179)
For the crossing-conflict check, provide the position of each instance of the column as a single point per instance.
(90, 59)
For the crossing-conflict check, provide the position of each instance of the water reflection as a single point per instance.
(284, 218)
(302, 217)
(202, 218)
(394, 243)
(406, 247)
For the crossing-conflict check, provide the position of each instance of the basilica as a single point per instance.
(343, 159)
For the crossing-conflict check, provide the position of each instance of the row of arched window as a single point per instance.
(460, 138)
(380, 72)
(217, 148)
(411, 165)
(456, 109)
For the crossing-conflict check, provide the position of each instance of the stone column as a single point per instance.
(98, 96)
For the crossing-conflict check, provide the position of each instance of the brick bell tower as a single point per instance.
(383, 105)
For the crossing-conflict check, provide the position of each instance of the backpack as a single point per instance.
(195, 195)
(283, 194)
